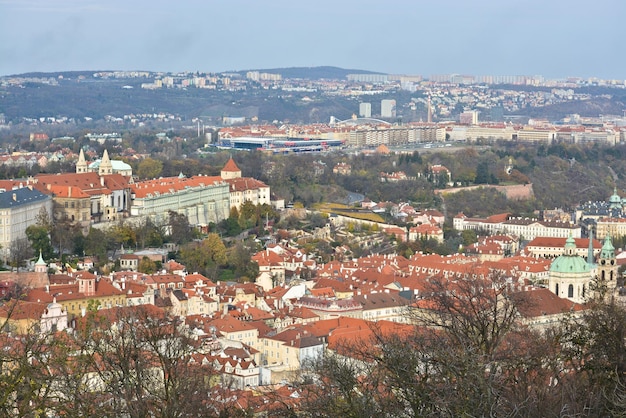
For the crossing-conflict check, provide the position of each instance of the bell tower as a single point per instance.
(106, 167)
(607, 267)
(81, 164)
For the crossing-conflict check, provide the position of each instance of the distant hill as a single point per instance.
(312, 73)
(586, 108)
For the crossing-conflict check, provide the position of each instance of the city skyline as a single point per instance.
(554, 39)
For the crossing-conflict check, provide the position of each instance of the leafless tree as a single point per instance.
(141, 365)
(20, 250)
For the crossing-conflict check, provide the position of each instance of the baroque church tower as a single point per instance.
(607, 269)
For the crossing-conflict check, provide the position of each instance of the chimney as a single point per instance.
(102, 181)
(69, 191)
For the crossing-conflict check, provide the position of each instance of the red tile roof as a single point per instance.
(170, 185)
(230, 166)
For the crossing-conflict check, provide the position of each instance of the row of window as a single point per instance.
(73, 204)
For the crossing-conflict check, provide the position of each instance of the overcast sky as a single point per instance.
(553, 38)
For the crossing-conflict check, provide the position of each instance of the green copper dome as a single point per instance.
(570, 262)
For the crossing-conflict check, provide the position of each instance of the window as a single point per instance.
(570, 291)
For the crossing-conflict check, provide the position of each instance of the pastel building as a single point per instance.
(203, 199)
(19, 209)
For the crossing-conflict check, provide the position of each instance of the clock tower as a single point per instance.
(607, 268)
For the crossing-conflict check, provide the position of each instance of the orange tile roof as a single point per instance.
(20, 309)
(170, 185)
(90, 183)
(560, 242)
(230, 166)
(323, 292)
(228, 324)
(245, 183)
(64, 191)
(542, 301)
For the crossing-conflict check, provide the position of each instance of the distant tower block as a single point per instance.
(365, 110)
(388, 108)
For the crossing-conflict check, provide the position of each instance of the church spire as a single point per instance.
(81, 164)
(106, 167)
(40, 265)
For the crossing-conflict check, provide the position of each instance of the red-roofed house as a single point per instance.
(426, 231)
(86, 291)
(486, 250)
(389, 306)
(271, 263)
(290, 349)
(23, 317)
(232, 329)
